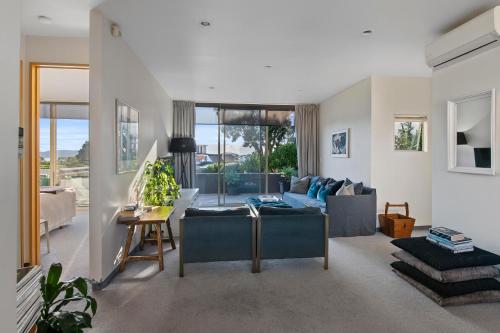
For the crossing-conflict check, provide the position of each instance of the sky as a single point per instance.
(71, 134)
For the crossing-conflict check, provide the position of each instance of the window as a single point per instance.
(410, 133)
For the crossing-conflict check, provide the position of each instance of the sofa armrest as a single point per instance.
(352, 215)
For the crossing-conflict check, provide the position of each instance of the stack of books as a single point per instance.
(29, 298)
(450, 239)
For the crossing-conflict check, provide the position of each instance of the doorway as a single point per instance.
(59, 167)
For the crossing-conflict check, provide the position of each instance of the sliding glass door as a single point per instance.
(235, 149)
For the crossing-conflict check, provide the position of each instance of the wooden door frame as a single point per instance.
(34, 153)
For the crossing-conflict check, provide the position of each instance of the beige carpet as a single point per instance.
(69, 246)
(359, 293)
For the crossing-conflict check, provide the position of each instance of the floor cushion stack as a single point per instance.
(447, 278)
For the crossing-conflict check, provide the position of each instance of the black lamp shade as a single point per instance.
(461, 139)
(183, 145)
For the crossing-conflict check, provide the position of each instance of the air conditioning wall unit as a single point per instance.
(478, 35)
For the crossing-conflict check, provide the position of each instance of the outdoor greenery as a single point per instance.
(56, 295)
(288, 172)
(160, 187)
(409, 136)
(283, 156)
(231, 176)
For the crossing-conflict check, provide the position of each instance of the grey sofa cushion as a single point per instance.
(299, 185)
(297, 200)
(358, 187)
(451, 275)
(191, 212)
(289, 211)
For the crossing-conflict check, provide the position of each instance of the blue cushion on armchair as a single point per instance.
(313, 189)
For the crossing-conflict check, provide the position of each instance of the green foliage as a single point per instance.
(288, 172)
(283, 156)
(231, 175)
(252, 163)
(160, 188)
(212, 168)
(409, 136)
(56, 295)
(83, 154)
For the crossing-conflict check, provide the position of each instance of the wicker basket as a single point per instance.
(396, 225)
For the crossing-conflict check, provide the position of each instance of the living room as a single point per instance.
(278, 133)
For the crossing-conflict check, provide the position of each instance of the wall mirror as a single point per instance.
(471, 134)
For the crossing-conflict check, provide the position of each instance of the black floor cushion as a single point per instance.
(443, 259)
(446, 289)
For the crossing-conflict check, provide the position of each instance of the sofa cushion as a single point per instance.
(443, 259)
(314, 189)
(289, 211)
(358, 187)
(334, 185)
(297, 200)
(346, 189)
(299, 185)
(191, 212)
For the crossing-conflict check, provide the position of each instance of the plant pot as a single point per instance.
(284, 186)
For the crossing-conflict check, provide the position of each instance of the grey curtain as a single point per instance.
(307, 130)
(184, 122)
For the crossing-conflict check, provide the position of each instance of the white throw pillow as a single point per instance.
(346, 190)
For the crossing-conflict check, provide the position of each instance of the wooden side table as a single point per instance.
(155, 217)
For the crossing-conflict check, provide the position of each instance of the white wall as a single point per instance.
(368, 109)
(348, 109)
(465, 202)
(400, 176)
(116, 72)
(10, 34)
(59, 50)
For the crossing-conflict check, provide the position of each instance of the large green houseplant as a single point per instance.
(56, 295)
(160, 188)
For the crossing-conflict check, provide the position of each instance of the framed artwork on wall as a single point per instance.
(127, 138)
(340, 143)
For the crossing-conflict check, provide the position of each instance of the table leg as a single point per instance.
(160, 245)
(170, 235)
(143, 236)
(47, 235)
(131, 229)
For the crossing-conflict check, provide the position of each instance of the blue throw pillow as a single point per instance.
(323, 192)
(313, 190)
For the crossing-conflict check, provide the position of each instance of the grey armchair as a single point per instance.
(291, 233)
(209, 235)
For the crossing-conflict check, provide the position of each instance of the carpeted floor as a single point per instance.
(69, 246)
(359, 293)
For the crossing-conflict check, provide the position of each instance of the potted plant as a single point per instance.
(160, 188)
(56, 295)
(232, 179)
(286, 177)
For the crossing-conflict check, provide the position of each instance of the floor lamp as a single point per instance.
(185, 147)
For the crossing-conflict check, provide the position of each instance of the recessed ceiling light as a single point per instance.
(205, 23)
(268, 66)
(44, 19)
(367, 32)
(211, 87)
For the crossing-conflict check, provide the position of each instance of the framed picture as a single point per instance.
(127, 138)
(340, 143)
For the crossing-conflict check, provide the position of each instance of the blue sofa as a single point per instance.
(291, 233)
(348, 216)
(212, 235)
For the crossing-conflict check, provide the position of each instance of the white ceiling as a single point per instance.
(315, 47)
